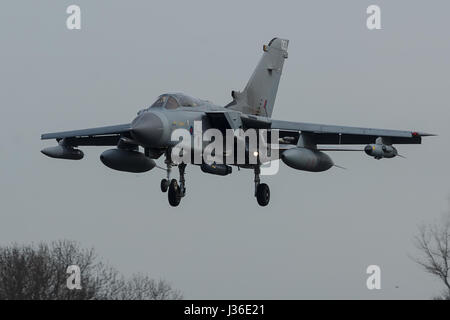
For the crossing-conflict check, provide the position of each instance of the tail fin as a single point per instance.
(258, 97)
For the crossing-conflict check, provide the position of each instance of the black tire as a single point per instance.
(164, 185)
(174, 193)
(263, 194)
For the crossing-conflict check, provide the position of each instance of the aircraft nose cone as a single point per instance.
(148, 129)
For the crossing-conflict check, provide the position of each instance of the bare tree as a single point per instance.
(39, 272)
(142, 287)
(433, 242)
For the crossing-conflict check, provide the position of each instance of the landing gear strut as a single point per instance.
(165, 182)
(262, 191)
(177, 191)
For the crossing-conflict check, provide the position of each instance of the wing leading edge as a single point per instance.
(100, 136)
(333, 134)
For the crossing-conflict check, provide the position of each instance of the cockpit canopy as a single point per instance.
(175, 100)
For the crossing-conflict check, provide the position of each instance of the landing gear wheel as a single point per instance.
(263, 194)
(174, 193)
(164, 185)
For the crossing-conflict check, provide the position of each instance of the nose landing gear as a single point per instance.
(174, 194)
(164, 185)
(165, 182)
(176, 190)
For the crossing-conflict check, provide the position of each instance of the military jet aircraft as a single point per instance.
(301, 145)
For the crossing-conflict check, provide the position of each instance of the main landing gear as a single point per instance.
(175, 191)
(262, 191)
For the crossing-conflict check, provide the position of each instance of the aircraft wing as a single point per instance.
(100, 136)
(333, 134)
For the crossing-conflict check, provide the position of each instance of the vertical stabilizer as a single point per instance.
(258, 97)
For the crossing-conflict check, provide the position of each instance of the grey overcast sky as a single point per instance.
(320, 231)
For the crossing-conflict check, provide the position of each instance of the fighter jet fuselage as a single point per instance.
(186, 130)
